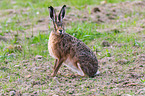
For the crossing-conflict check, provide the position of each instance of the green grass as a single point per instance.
(6, 4)
(83, 31)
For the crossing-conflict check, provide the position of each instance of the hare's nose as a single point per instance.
(60, 31)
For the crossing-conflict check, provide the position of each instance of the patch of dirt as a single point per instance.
(4, 14)
(113, 78)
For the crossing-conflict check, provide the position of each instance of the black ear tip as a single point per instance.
(64, 6)
(50, 7)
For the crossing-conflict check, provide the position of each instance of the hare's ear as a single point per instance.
(52, 13)
(62, 13)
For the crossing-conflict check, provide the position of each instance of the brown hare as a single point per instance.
(69, 50)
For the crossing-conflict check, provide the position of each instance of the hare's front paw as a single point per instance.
(53, 74)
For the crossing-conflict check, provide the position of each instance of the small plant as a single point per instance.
(142, 80)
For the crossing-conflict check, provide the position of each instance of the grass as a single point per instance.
(34, 4)
(21, 70)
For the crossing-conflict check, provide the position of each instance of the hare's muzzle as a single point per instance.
(60, 32)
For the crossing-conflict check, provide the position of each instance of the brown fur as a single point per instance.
(68, 49)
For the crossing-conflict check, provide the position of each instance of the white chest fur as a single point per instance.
(50, 46)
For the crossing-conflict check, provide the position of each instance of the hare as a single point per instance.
(69, 50)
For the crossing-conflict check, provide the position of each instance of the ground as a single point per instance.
(114, 30)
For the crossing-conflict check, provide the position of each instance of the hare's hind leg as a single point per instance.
(75, 67)
(80, 71)
(57, 65)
